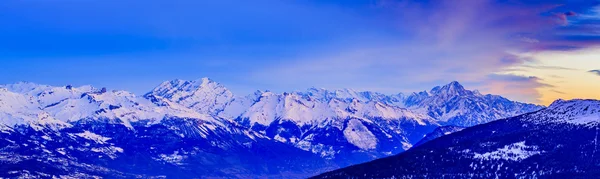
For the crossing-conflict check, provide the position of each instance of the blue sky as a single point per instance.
(387, 46)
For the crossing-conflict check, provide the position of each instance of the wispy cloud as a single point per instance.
(447, 40)
(517, 87)
(542, 67)
(559, 92)
(563, 17)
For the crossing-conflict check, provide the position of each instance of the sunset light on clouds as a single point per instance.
(299, 89)
(532, 51)
(567, 74)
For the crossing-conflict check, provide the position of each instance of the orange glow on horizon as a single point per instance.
(566, 74)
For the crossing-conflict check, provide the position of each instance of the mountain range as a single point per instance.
(560, 141)
(200, 128)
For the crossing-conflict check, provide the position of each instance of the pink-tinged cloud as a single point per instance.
(545, 23)
(466, 40)
(564, 17)
(521, 88)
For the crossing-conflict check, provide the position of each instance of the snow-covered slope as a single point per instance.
(17, 109)
(439, 132)
(350, 94)
(560, 141)
(24, 103)
(203, 95)
(173, 148)
(309, 122)
(307, 110)
(577, 111)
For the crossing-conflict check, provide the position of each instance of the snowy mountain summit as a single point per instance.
(200, 123)
(452, 104)
(576, 111)
(203, 95)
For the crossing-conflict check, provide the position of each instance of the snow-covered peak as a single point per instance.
(122, 106)
(203, 95)
(452, 104)
(561, 102)
(19, 109)
(452, 89)
(47, 95)
(34, 89)
(169, 88)
(576, 111)
(304, 109)
(25, 87)
(16, 108)
(326, 95)
(576, 106)
(267, 94)
(349, 95)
